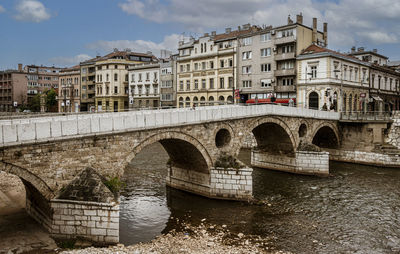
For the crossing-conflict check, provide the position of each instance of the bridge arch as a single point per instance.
(326, 135)
(274, 134)
(27, 177)
(182, 148)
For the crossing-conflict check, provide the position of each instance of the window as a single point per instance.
(265, 37)
(345, 72)
(247, 41)
(133, 77)
(230, 62)
(181, 85)
(166, 84)
(246, 55)
(314, 71)
(115, 77)
(287, 65)
(126, 78)
(266, 67)
(221, 83)
(115, 66)
(247, 83)
(211, 64)
(230, 82)
(147, 76)
(115, 89)
(196, 84)
(356, 74)
(181, 68)
(287, 82)
(246, 69)
(203, 65)
(222, 63)
(166, 97)
(140, 77)
(187, 67)
(211, 83)
(155, 76)
(266, 52)
(196, 66)
(286, 33)
(266, 83)
(203, 84)
(187, 85)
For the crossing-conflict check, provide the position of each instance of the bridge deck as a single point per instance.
(40, 129)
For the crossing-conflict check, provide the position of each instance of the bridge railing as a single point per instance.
(369, 116)
(17, 131)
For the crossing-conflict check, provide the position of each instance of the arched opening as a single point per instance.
(355, 103)
(195, 101)
(145, 208)
(313, 100)
(202, 101)
(187, 102)
(344, 101)
(222, 138)
(273, 139)
(229, 99)
(221, 99)
(302, 130)
(326, 138)
(180, 102)
(350, 103)
(211, 101)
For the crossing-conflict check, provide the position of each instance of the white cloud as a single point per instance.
(69, 61)
(349, 21)
(31, 11)
(2, 9)
(170, 42)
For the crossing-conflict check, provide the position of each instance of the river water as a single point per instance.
(356, 210)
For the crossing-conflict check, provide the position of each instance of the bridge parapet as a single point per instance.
(41, 129)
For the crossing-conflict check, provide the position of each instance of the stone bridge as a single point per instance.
(69, 164)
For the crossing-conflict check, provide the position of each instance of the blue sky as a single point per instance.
(65, 32)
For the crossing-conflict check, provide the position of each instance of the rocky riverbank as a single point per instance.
(194, 240)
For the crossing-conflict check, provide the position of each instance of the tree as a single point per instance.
(51, 100)
(34, 103)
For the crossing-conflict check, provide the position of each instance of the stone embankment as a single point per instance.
(199, 240)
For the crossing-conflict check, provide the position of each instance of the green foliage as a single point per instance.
(34, 103)
(66, 244)
(51, 98)
(227, 161)
(114, 184)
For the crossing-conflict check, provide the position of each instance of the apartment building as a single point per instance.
(144, 89)
(41, 78)
(13, 89)
(168, 82)
(112, 80)
(69, 95)
(206, 68)
(267, 59)
(88, 83)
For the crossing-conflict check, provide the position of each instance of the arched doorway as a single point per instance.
(181, 102)
(230, 99)
(187, 102)
(313, 100)
(211, 100)
(202, 101)
(195, 101)
(221, 100)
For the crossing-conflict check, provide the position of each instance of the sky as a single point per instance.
(66, 32)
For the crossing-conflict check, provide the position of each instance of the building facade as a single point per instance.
(13, 89)
(168, 82)
(112, 79)
(88, 75)
(144, 89)
(206, 68)
(69, 95)
(267, 59)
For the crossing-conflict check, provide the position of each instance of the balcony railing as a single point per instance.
(288, 72)
(285, 56)
(284, 40)
(280, 88)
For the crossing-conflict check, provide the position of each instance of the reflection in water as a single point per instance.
(356, 210)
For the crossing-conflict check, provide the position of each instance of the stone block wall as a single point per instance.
(96, 222)
(232, 183)
(312, 162)
(305, 162)
(393, 136)
(188, 180)
(367, 158)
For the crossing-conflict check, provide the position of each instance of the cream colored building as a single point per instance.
(328, 80)
(112, 80)
(144, 89)
(206, 69)
(69, 87)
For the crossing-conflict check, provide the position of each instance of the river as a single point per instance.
(355, 210)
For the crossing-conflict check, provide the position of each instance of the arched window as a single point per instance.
(230, 99)
(211, 101)
(350, 102)
(221, 99)
(181, 102)
(195, 101)
(313, 100)
(115, 77)
(202, 101)
(187, 102)
(355, 103)
(344, 103)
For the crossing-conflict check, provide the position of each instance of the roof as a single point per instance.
(73, 68)
(124, 54)
(235, 34)
(394, 63)
(368, 52)
(315, 49)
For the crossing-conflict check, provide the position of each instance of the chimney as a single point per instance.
(289, 20)
(246, 26)
(299, 18)
(314, 31)
(20, 67)
(360, 49)
(326, 34)
(239, 28)
(228, 30)
(213, 33)
(206, 34)
(353, 49)
(375, 50)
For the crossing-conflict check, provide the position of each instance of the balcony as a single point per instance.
(285, 56)
(285, 40)
(288, 89)
(289, 72)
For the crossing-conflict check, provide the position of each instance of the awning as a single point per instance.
(377, 98)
